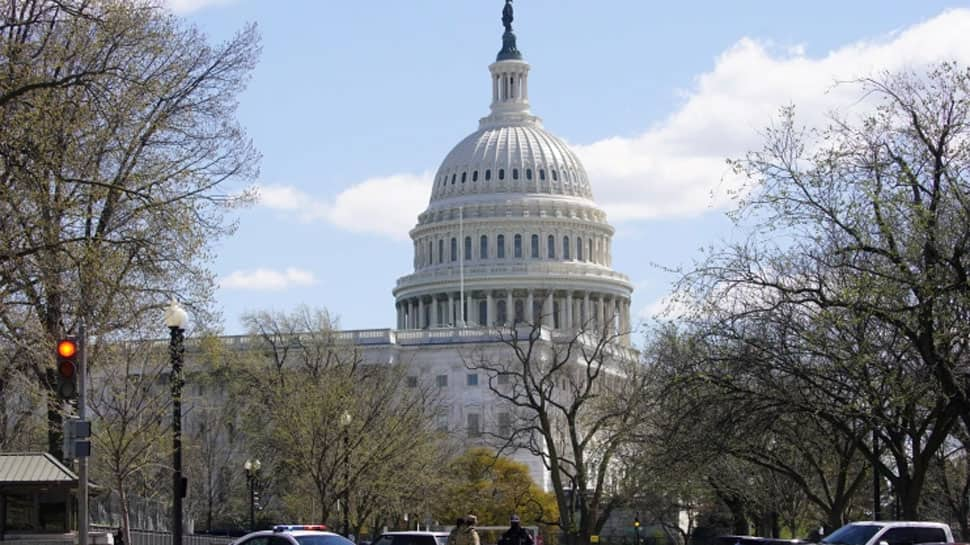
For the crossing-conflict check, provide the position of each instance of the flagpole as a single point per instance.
(461, 267)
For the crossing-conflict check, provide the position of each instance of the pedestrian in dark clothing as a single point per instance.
(455, 531)
(516, 534)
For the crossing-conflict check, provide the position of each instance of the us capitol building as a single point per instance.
(511, 235)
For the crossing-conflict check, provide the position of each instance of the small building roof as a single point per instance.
(33, 467)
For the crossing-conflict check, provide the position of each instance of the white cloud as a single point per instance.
(267, 279)
(677, 167)
(187, 6)
(386, 206)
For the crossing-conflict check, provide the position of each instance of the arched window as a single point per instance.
(535, 246)
(555, 315)
(454, 249)
(475, 176)
(502, 311)
(500, 249)
(501, 174)
(453, 179)
(528, 174)
(483, 313)
(590, 252)
(515, 174)
(579, 249)
(519, 311)
(517, 242)
(565, 247)
(488, 175)
(441, 251)
(430, 252)
(554, 177)
(542, 174)
(483, 247)
(468, 248)
(551, 247)
(463, 174)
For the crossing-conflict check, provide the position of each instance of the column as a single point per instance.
(569, 310)
(468, 311)
(601, 316)
(435, 312)
(529, 310)
(509, 307)
(413, 315)
(587, 310)
(451, 318)
(547, 309)
(489, 309)
(421, 311)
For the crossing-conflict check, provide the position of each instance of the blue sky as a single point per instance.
(355, 104)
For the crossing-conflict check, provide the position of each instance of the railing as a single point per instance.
(144, 537)
(451, 271)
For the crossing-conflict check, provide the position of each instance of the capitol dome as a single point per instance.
(520, 158)
(511, 233)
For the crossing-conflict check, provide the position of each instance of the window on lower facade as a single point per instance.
(500, 247)
(535, 246)
(441, 381)
(472, 379)
(412, 382)
(468, 248)
(474, 426)
(517, 246)
(504, 424)
(454, 249)
(483, 247)
(551, 247)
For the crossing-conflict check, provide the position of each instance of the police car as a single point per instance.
(294, 534)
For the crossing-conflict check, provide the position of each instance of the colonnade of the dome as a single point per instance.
(563, 309)
(506, 244)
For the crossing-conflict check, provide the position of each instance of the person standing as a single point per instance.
(516, 534)
(468, 534)
(453, 538)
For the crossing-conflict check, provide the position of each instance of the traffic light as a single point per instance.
(636, 521)
(67, 354)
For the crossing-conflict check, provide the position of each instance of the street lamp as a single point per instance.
(345, 420)
(252, 476)
(636, 528)
(175, 320)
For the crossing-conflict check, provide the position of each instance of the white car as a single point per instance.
(294, 534)
(412, 538)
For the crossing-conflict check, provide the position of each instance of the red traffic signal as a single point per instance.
(67, 351)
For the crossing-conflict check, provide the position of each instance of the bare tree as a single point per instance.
(851, 291)
(129, 410)
(573, 401)
(378, 459)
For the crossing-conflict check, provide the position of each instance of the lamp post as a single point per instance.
(252, 475)
(636, 528)
(345, 420)
(175, 319)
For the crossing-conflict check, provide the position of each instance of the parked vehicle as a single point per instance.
(890, 533)
(412, 538)
(294, 534)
